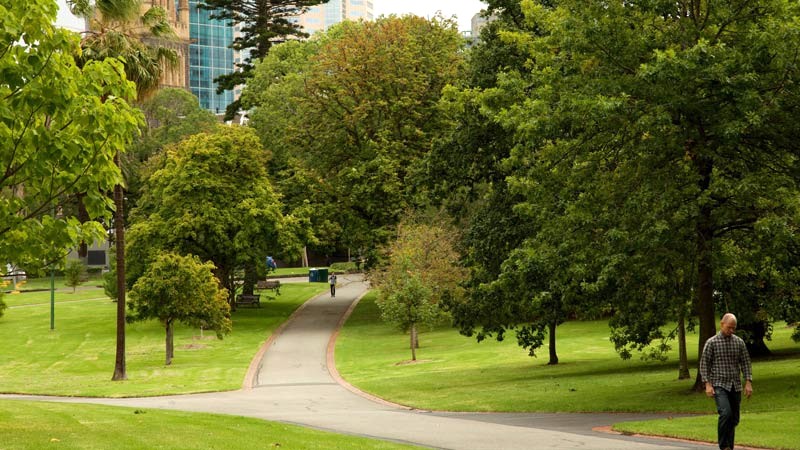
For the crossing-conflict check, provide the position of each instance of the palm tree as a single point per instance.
(118, 29)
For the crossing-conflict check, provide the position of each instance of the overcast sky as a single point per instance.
(463, 9)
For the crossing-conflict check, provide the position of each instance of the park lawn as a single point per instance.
(36, 425)
(77, 358)
(27, 298)
(455, 373)
(43, 283)
(289, 271)
(766, 430)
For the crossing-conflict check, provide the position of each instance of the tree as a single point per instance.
(177, 288)
(657, 123)
(118, 29)
(74, 273)
(262, 24)
(421, 271)
(61, 125)
(212, 198)
(171, 115)
(508, 289)
(363, 116)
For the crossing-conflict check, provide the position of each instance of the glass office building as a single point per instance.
(322, 17)
(209, 57)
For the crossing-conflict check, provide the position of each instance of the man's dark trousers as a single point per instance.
(728, 408)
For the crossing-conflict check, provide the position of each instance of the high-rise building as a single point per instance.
(209, 57)
(322, 17)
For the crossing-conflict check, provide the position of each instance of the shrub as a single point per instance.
(344, 267)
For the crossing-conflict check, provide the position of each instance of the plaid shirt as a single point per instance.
(723, 358)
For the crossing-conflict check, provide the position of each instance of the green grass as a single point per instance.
(36, 425)
(44, 283)
(77, 358)
(457, 374)
(767, 430)
(287, 271)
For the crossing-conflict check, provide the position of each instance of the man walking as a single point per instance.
(332, 282)
(724, 360)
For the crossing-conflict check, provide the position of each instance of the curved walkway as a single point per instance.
(292, 384)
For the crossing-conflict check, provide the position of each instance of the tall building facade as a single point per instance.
(322, 17)
(178, 16)
(176, 76)
(209, 57)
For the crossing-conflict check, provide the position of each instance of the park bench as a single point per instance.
(273, 285)
(248, 300)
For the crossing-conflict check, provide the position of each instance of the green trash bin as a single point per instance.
(322, 275)
(313, 275)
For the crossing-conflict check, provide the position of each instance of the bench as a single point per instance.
(250, 300)
(274, 285)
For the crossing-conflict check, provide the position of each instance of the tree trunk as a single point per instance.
(170, 351)
(683, 368)
(758, 331)
(250, 279)
(83, 217)
(705, 268)
(552, 344)
(414, 342)
(119, 233)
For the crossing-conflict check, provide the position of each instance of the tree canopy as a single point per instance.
(178, 288)
(363, 99)
(60, 126)
(421, 271)
(211, 197)
(653, 144)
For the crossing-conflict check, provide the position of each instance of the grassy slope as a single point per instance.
(456, 373)
(77, 358)
(36, 425)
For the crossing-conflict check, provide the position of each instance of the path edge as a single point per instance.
(331, 361)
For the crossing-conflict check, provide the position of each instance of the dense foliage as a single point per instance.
(350, 116)
(421, 271)
(655, 158)
(211, 197)
(60, 127)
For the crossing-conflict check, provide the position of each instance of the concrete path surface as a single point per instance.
(293, 384)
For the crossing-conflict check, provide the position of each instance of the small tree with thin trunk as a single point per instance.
(182, 289)
(420, 271)
(74, 273)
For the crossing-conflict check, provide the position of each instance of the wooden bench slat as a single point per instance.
(245, 299)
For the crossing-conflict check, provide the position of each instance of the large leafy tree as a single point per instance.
(118, 29)
(364, 116)
(182, 289)
(664, 130)
(262, 24)
(466, 173)
(61, 125)
(212, 198)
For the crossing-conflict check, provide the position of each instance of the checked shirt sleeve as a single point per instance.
(705, 361)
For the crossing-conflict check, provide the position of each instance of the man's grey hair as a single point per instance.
(728, 317)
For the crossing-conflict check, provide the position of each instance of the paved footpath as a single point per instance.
(291, 382)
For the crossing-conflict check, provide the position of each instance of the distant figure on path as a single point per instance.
(724, 360)
(332, 282)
